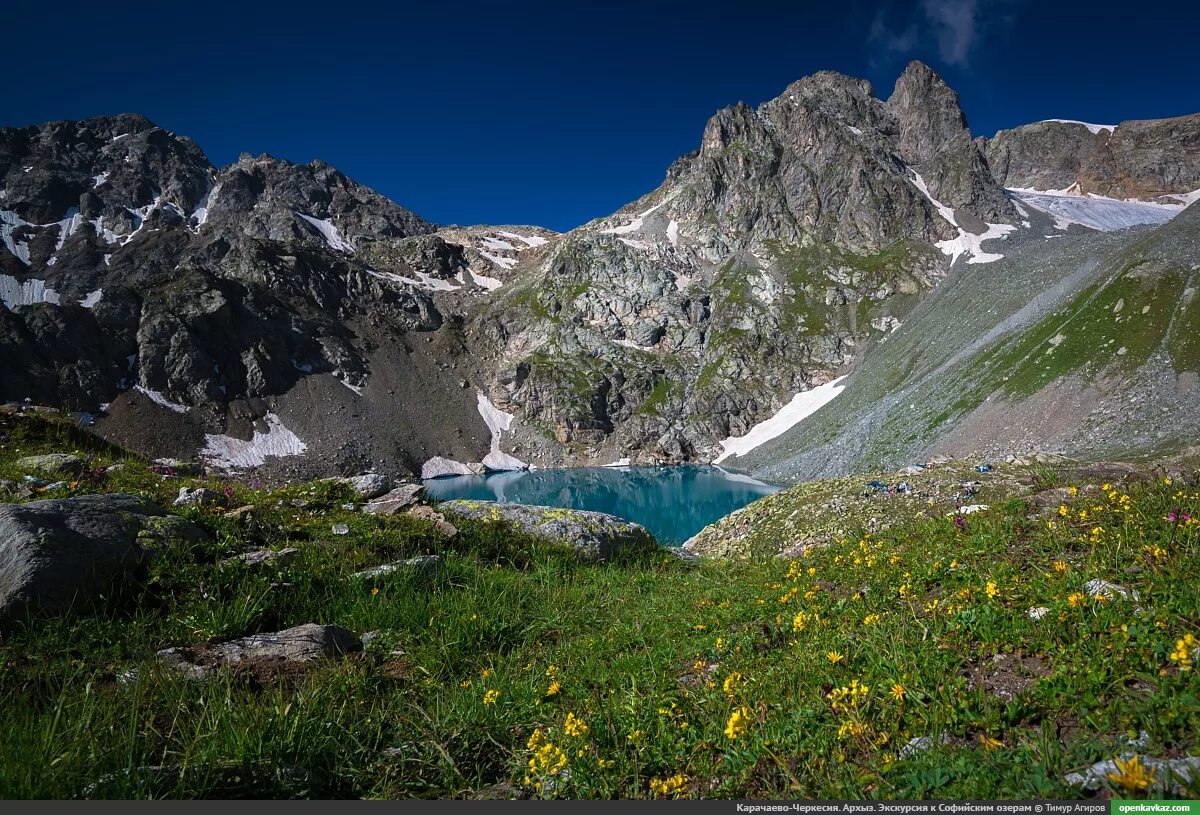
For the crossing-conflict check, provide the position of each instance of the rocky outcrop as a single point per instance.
(594, 535)
(59, 552)
(401, 498)
(281, 649)
(935, 142)
(1138, 159)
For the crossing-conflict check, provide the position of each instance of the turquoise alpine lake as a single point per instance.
(673, 503)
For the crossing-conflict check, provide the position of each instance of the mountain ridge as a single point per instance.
(774, 258)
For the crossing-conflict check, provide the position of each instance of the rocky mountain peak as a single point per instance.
(928, 113)
(934, 140)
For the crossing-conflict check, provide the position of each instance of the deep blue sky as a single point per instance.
(556, 113)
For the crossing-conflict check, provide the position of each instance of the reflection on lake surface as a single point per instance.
(674, 503)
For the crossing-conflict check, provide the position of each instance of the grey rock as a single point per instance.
(397, 500)
(438, 519)
(594, 535)
(340, 529)
(1172, 777)
(301, 644)
(51, 464)
(58, 551)
(425, 565)
(198, 496)
(239, 513)
(179, 467)
(367, 485)
(919, 744)
(255, 557)
(1109, 591)
(1135, 159)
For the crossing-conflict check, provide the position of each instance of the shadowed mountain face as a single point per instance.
(282, 316)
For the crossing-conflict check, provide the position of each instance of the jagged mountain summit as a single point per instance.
(282, 316)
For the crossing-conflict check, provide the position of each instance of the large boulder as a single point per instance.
(55, 552)
(288, 648)
(365, 486)
(57, 464)
(595, 535)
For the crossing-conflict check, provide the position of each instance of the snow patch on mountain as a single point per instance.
(228, 452)
(803, 405)
(530, 241)
(1068, 207)
(9, 223)
(495, 244)
(333, 238)
(1093, 128)
(422, 281)
(967, 243)
(17, 293)
(503, 263)
(158, 398)
(497, 422)
(489, 283)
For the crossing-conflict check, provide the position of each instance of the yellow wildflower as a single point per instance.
(870, 619)
(850, 727)
(664, 787)
(574, 726)
(551, 670)
(992, 589)
(834, 657)
(1132, 774)
(374, 591)
(485, 673)
(799, 621)
(554, 689)
(1062, 510)
(1061, 566)
(731, 683)
(490, 697)
(739, 723)
(989, 743)
(1184, 648)
(1076, 599)
(898, 692)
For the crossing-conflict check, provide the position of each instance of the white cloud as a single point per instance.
(950, 28)
(955, 24)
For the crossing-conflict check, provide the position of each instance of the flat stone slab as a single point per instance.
(301, 644)
(397, 500)
(595, 535)
(426, 564)
(280, 557)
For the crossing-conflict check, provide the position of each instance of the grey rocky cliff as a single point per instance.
(766, 263)
(1136, 159)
